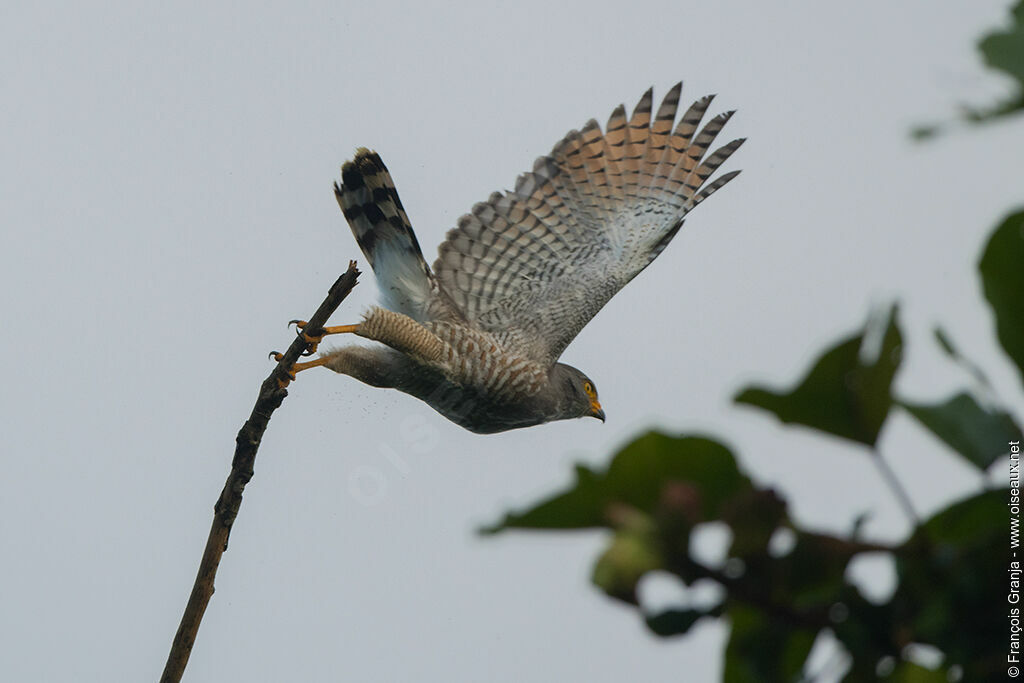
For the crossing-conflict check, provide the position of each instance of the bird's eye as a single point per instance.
(589, 388)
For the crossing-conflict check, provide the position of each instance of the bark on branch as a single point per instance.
(272, 393)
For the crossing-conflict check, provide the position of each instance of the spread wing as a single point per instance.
(534, 265)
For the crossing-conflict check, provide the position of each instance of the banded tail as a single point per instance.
(368, 198)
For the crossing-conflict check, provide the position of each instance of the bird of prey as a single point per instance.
(478, 336)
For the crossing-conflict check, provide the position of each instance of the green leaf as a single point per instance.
(580, 507)
(972, 521)
(810, 576)
(953, 583)
(1002, 277)
(762, 648)
(754, 516)
(676, 622)
(1004, 50)
(639, 472)
(638, 477)
(842, 394)
(981, 435)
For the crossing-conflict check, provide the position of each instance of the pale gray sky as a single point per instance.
(167, 208)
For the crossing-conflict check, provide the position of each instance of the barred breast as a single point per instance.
(476, 359)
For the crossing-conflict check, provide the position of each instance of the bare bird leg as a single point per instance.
(314, 340)
(374, 366)
(370, 366)
(298, 367)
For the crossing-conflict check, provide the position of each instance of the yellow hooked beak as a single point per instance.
(596, 410)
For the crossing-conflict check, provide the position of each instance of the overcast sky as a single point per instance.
(167, 208)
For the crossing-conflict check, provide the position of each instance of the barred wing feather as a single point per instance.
(534, 265)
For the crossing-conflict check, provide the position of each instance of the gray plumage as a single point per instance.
(478, 336)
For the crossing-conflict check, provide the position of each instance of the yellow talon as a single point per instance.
(282, 383)
(313, 340)
(297, 367)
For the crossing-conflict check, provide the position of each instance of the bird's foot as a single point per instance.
(296, 368)
(313, 340)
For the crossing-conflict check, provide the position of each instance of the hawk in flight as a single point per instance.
(478, 337)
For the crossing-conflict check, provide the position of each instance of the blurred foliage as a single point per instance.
(1002, 50)
(659, 488)
(979, 434)
(782, 585)
(846, 393)
(1001, 276)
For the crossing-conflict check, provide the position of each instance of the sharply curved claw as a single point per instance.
(312, 340)
(297, 367)
(277, 356)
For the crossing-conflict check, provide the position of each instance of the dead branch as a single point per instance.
(272, 393)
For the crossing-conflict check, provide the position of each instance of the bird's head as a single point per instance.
(576, 391)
